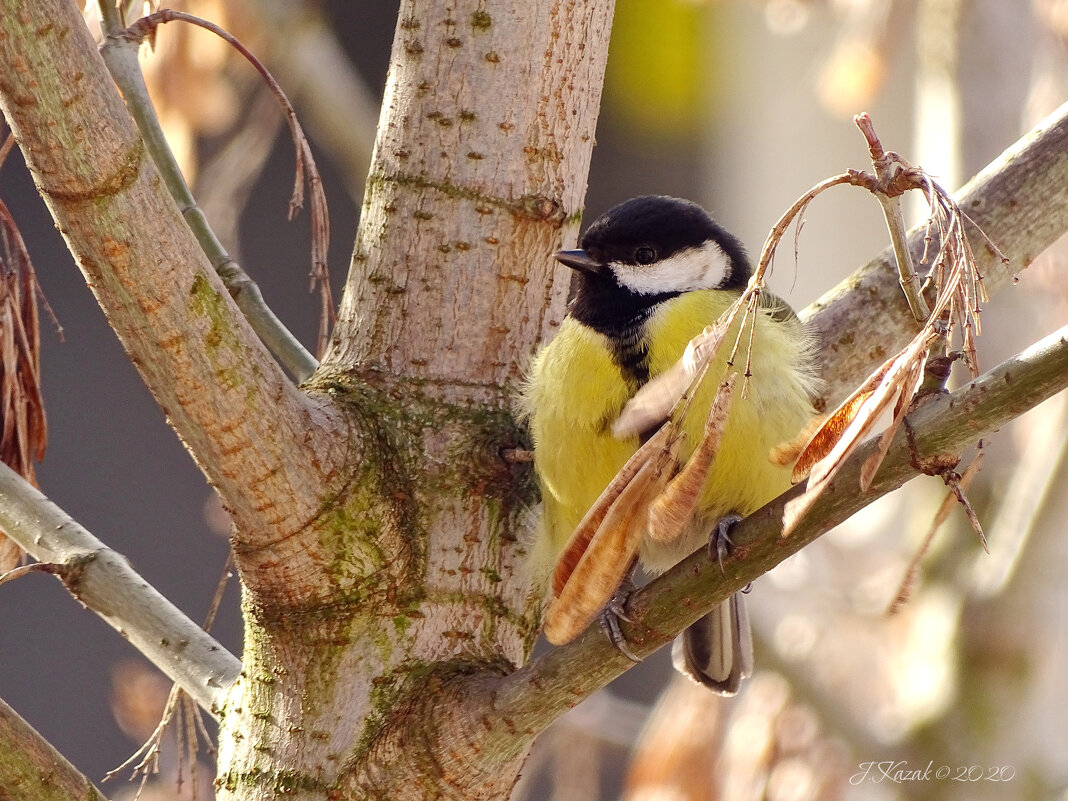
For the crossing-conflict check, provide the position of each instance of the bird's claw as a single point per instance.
(719, 541)
(616, 610)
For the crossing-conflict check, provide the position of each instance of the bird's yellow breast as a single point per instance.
(576, 390)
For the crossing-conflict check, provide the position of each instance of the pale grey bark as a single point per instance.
(104, 581)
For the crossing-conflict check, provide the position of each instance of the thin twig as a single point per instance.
(306, 169)
(169, 639)
(956, 485)
(149, 751)
(189, 735)
(957, 289)
(9, 142)
(908, 580)
(887, 171)
(120, 56)
(779, 229)
(189, 719)
(25, 570)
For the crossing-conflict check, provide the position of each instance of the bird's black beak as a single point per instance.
(579, 260)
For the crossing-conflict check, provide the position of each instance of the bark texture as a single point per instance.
(32, 770)
(479, 173)
(266, 447)
(478, 176)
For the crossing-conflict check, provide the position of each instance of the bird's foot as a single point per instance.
(616, 610)
(719, 541)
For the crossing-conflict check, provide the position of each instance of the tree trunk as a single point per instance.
(478, 176)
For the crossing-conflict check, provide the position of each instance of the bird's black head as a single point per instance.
(645, 251)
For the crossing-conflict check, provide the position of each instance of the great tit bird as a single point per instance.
(651, 274)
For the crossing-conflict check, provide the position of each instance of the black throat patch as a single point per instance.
(630, 352)
(620, 315)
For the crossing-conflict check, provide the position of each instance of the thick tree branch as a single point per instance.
(32, 770)
(479, 170)
(270, 450)
(933, 435)
(104, 581)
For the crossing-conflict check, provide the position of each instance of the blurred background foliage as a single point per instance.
(742, 105)
(658, 74)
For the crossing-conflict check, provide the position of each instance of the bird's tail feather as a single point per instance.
(717, 650)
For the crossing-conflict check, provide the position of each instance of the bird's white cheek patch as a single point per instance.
(706, 267)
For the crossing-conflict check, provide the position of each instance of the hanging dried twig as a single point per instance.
(604, 544)
(306, 169)
(23, 431)
(887, 167)
(675, 507)
(957, 288)
(184, 712)
(955, 496)
(9, 142)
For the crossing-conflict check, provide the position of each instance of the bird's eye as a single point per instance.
(644, 255)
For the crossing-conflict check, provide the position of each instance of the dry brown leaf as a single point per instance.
(609, 554)
(896, 379)
(867, 415)
(656, 399)
(587, 528)
(673, 509)
(831, 430)
(787, 453)
(23, 433)
(913, 372)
